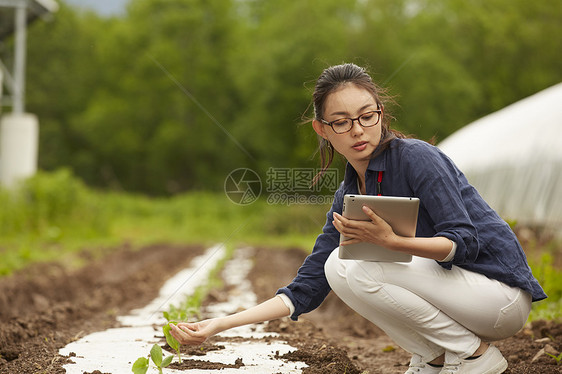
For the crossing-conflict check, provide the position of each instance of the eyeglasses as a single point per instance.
(343, 125)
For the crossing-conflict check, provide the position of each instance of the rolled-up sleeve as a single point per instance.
(310, 287)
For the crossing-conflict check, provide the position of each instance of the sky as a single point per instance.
(103, 7)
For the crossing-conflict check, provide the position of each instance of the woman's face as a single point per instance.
(350, 101)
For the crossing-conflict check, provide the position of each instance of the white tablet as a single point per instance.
(401, 213)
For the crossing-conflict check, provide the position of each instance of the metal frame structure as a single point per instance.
(15, 21)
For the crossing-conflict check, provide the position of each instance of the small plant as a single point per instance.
(141, 364)
(156, 356)
(558, 358)
(172, 342)
(175, 314)
(190, 307)
(187, 309)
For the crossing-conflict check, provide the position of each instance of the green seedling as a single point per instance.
(187, 309)
(141, 364)
(167, 316)
(557, 358)
(172, 342)
(156, 356)
(175, 314)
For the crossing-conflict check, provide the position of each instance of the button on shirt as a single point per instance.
(449, 207)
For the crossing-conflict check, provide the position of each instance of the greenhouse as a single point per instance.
(514, 158)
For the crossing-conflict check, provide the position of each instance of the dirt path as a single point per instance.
(44, 308)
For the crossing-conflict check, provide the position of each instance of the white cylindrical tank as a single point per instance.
(19, 142)
(1, 87)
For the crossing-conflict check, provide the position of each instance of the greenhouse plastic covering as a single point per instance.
(514, 158)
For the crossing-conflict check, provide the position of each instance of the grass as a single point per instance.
(53, 217)
(550, 279)
(201, 217)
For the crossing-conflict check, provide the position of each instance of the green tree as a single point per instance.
(62, 72)
(175, 94)
(286, 44)
(452, 62)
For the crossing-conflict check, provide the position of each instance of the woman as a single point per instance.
(468, 283)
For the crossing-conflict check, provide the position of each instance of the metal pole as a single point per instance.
(19, 57)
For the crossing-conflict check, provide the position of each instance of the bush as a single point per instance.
(50, 205)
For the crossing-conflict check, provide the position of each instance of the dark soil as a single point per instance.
(47, 306)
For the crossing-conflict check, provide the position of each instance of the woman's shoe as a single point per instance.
(417, 366)
(491, 362)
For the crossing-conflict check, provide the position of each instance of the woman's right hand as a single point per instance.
(195, 333)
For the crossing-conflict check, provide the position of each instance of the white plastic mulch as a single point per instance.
(115, 350)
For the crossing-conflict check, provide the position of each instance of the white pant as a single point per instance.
(427, 309)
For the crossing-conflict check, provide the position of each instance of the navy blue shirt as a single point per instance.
(449, 207)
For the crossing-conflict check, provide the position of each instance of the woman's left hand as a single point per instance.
(375, 231)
